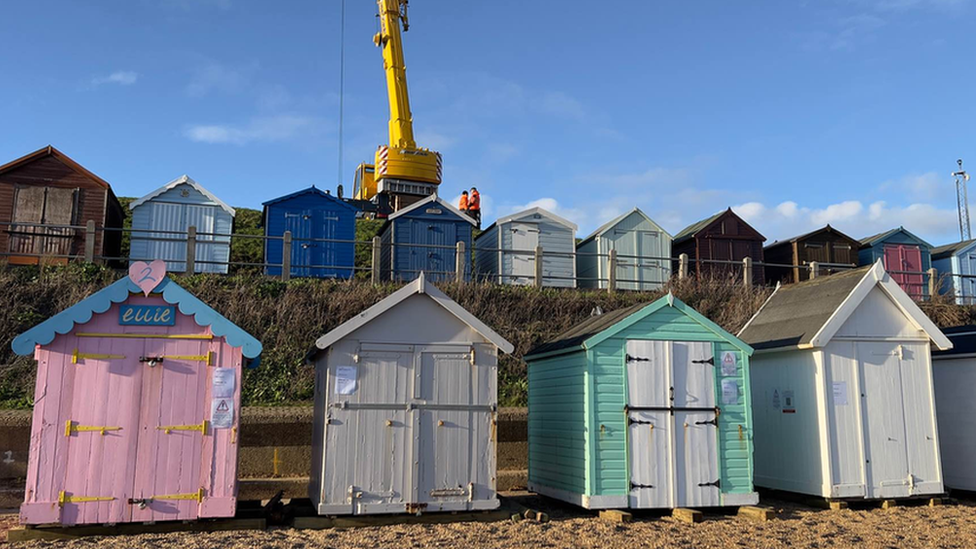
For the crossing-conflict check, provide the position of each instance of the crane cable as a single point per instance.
(342, 77)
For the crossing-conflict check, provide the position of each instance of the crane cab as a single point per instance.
(364, 185)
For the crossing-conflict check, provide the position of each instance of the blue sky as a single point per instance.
(795, 113)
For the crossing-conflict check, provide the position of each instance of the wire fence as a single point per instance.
(289, 256)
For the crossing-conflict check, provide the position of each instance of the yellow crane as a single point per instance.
(402, 171)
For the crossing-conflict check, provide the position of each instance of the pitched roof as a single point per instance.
(963, 340)
(692, 229)
(804, 236)
(613, 222)
(809, 313)
(430, 199)
(874, 239)
(118, 292)
(51, 151)
(311, 190)
(598, 328)
(419, 286)
(949, 250)
(183, 180)
(532, 211)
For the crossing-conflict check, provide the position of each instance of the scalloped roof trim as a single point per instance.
(117, 292)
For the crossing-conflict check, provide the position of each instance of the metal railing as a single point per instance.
(611, 271)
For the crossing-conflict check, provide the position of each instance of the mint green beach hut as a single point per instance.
(643, 407)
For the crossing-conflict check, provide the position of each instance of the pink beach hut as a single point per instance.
(136, 407)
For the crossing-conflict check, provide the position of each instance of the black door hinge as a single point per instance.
(634, 485)
(710, 360)
(713, 421)
(637, 359)
(717, 484)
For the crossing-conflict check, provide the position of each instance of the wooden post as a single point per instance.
(682, 266)
(612, 282)
(90, 241)
(191, 250)
(459, 263)
(286, 256)
(933, 282)
(376, 260)
(814, 270)
(747, 271)
(538, 266)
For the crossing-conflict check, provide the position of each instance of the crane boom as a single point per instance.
(403, 172)
(389, 38)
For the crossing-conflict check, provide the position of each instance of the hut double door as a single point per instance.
(135, 432)
(410, 433)
(431, 250)
(311, 255)
(904, 263)
(672, 424)
(639, 263)
(168, 218)
(901, 452)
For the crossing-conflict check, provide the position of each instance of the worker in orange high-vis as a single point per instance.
(463, 203)
(474, 206)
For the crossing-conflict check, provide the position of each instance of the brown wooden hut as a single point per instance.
(46, 187)
(722, 237)
(826, 246)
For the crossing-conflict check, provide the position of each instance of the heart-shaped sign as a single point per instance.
(147, 275)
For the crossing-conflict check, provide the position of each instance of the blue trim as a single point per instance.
(118, 292)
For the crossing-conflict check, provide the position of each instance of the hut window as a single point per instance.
(43, 206)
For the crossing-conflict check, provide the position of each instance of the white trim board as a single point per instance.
(419, 286)
(184, 179)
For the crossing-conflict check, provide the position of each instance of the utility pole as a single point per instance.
(962, 200)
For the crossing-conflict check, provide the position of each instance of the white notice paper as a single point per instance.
(223, 382)
(222, 413)
(840, 393)
(789, 406)
(730, 391)
(728, 363)
(345, 380)
(776, 401)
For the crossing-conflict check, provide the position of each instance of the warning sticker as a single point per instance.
(728, 363)
(222, 413)
(777, 403)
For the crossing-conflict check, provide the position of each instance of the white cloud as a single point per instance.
(122, 78)
(788, 219)
(845, 34)
(259, 129)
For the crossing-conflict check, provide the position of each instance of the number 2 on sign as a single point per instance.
(145, 275)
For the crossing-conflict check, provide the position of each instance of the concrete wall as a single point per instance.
(275, 451)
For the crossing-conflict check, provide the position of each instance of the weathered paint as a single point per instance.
(505, 251)
(900, 250)
(864, 422)
(642, 248)
(423, 238)
(177, 206)
(961, 261)
(579, 447)
(418, 431)
(103, 382)
(316, 220)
